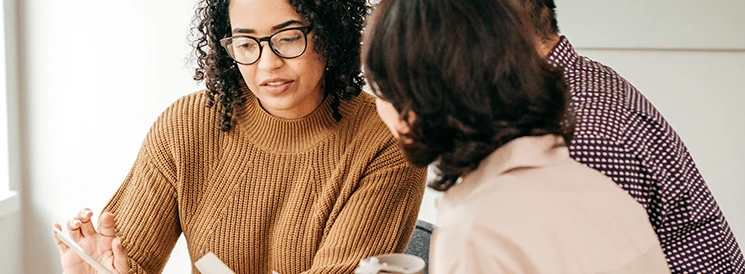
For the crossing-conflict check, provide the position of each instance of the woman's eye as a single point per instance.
(289, 39)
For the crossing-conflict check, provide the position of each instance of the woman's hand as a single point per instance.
(102, 244)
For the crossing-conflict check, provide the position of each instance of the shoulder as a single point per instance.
(596, 87)
(588, 217)
(188, 113)
(616, 127)
(370, 139)
(362, 110)
(587, 76)
(185, 120)
(189, 107)
(363, 120)
(608, 105)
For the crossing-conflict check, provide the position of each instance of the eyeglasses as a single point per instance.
(287, 43)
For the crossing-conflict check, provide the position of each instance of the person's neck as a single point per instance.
(545, 46)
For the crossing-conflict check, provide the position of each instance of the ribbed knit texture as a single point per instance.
(310, 195)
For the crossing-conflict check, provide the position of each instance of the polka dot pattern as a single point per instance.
(621, 134)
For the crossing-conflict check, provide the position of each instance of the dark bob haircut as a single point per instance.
(338, 31)
(469, 73)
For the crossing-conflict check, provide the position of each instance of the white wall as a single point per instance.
(10, 225)
(657, 24)
(96, 74)
(10, 243)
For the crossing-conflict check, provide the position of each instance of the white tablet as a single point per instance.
(79, 250)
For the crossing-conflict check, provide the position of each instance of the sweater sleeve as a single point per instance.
(379, 216)
(145, 209)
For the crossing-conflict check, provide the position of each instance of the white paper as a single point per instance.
(210, 264)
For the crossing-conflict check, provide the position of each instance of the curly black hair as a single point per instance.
(338, 29)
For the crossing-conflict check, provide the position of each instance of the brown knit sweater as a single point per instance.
(309, 195)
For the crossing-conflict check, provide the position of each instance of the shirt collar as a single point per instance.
(523, 152)
(563, 54)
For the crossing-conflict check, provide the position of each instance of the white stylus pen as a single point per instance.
(79, 250)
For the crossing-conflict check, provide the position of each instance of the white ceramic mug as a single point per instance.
(408, 264)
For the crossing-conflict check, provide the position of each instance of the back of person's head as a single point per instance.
(542, 15)
(466, 77)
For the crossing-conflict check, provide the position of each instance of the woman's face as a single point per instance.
(391, 117)
(286, 88)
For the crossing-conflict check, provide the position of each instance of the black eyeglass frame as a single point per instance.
(225, 42)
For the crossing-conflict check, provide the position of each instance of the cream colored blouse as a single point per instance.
(530, 208)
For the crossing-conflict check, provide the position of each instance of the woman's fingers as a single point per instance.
(106, 226)
(61, 247)
(86, 228)
(73, 226)
(121, 263)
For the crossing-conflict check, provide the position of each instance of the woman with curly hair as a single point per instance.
(461, 84)
(280, 165)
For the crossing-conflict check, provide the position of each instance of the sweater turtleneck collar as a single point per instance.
(289, 135)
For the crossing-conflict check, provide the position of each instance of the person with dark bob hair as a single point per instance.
(281, 165)
(463, 88)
